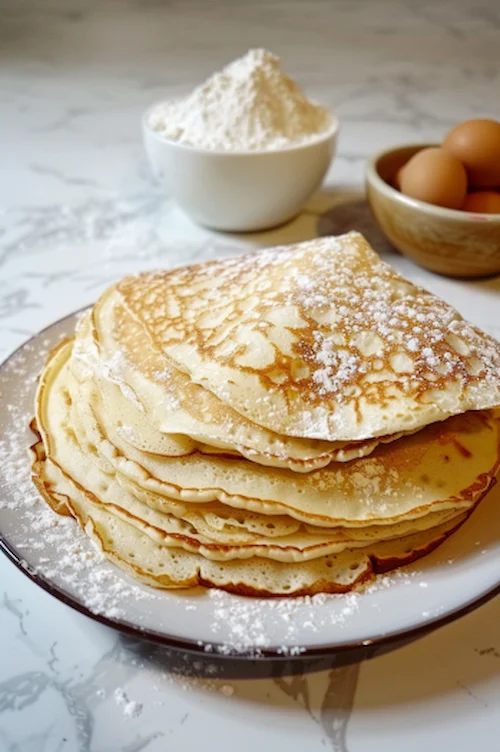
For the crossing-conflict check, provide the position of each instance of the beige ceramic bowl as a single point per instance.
(447, 241)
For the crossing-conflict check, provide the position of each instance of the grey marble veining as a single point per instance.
(78, 208)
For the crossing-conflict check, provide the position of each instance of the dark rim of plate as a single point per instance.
(219, 651)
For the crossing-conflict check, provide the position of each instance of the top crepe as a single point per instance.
(318, 340)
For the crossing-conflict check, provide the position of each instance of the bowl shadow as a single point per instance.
(354, 213)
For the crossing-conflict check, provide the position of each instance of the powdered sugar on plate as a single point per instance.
(248, 624)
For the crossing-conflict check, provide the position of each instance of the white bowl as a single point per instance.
(240, 191)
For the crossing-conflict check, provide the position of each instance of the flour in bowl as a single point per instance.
(250, 105)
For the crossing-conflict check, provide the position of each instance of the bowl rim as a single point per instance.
(328, 135)
(373, 177)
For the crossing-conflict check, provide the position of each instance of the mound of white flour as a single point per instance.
(249, 105)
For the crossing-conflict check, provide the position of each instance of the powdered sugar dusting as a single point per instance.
(248, 625)
(113, 369)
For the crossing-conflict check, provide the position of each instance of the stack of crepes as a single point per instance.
(288, 422)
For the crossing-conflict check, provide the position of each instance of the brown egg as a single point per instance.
(435, 176)
(396, 181)
(476, 143)
(483, 202)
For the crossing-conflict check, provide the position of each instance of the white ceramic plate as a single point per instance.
(460, 575)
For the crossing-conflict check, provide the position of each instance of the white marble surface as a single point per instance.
(78, 209)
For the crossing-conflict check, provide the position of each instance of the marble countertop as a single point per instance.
(79, 208)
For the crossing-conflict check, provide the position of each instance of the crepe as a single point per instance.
(318, 340)
(191, 460)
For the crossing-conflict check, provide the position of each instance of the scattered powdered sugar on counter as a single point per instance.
(250, 105)
(131, 708)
